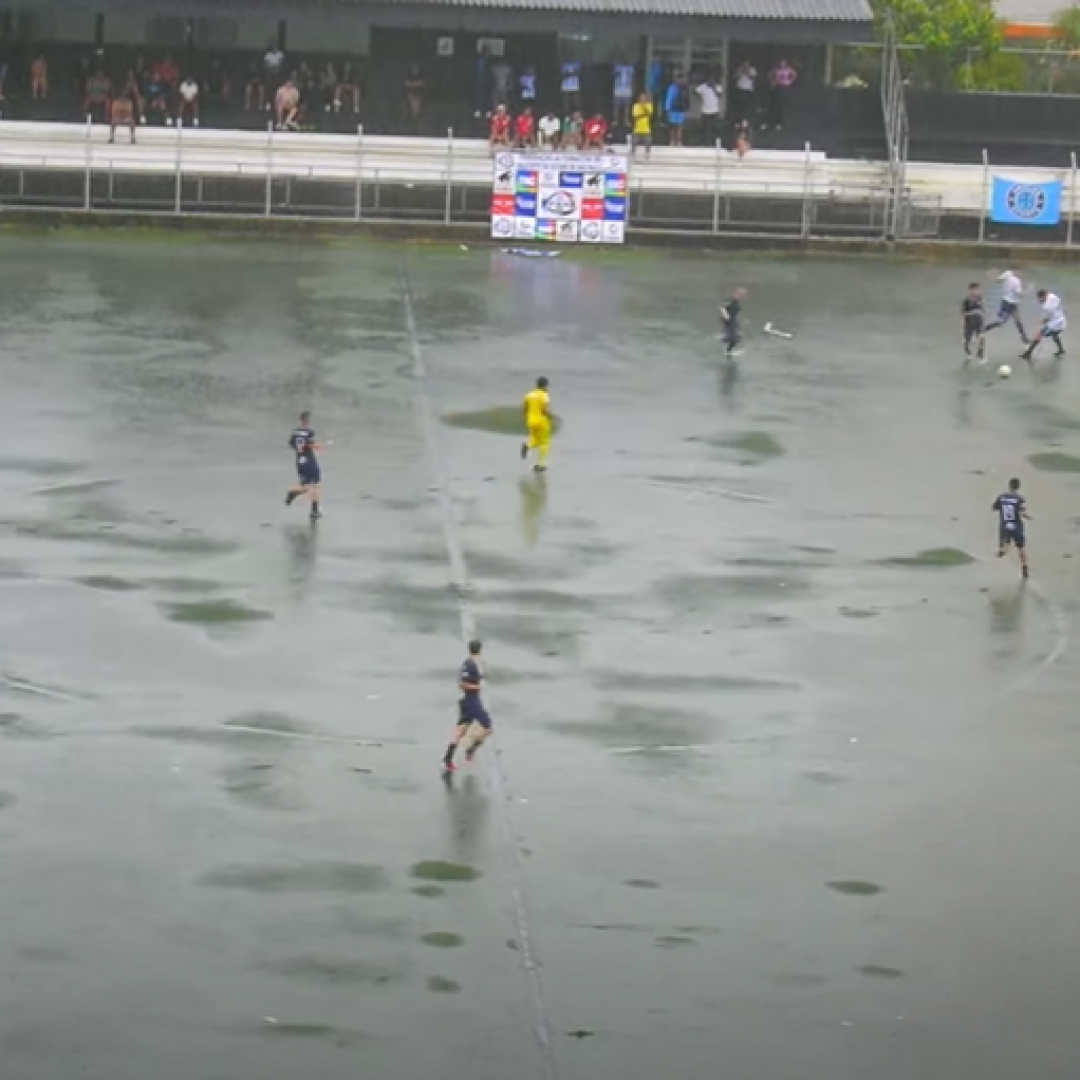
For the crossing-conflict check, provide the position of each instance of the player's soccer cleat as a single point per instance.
(290, 497)
(449, 767)
(315, 515)
(1024, 572)
(524, 451)
(539, 468)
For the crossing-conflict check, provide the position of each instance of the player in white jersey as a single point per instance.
(1012, 292)
(1053, 324)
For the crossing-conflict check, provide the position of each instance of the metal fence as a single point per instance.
(788, 195)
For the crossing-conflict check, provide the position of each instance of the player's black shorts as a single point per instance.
(471, 711)
(1012, 536)
(309, 475)
(972, 329)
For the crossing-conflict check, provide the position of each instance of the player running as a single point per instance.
(973, 312)
(730, 313)
(309, 475)
(471, 712)
(1012, 292)
(1053, 325)
(1011, 509)
(538, 424)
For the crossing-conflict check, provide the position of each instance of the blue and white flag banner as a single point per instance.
(1014, 202)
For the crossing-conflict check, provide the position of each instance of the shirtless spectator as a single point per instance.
(39, 78)
(287, 106)
(348, 89)
(499, 132)
(525, 129)
(596, 132)
(133, 92)
(98, 93)
(122, 114)
(328, 81)
(187, 103)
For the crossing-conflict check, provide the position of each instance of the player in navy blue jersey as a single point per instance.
(730, 314)
(1011, 509)
(308, 474)
(472, 716)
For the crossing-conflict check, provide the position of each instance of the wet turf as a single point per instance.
(724, 806)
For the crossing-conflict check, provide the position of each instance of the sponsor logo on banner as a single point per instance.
(571, 180)
(525, 205)
(503, 161)
(567, 230)
(592, 209)
(527, 182)
(504, 181)
(614, 209)
(502, 228)
(590, 232)
(614, 232)
(524, 228)
(614, 163)
(614, 183)
(594, 183)
(559, 203)
(545, 229)
(502, 204)
(549, 178)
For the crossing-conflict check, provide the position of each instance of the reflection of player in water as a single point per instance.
(534, 496)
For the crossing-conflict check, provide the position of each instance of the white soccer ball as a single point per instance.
(1004, 371)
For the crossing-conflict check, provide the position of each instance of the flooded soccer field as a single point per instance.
(784, 778)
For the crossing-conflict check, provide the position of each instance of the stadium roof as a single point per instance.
(856, 11)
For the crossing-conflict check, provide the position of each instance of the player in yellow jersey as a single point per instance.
(537, 408)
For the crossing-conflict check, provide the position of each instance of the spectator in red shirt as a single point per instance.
(525, 128)
(500, 127)
(165, 72)
(595, 132)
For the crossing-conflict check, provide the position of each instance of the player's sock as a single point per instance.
(524, 450)
(315, 511)
(1024, 570)
(290, 497)
(448, 757)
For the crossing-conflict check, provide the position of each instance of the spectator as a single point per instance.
(348, 87)
(122, 113)
(219, 82)
(573, 131)
(133, 92)
(273, 66)
(781, 80)
(676, 106)
(742, 138)
(255, 91)
(643, 120)
(98, 93)
(287, 106)
(549, 131)
(499, 127)
(527, 88)
(188, 102)
(328, 84)
(414, 96)
(746, 91)
(166, 74)
(571, 86)
(525, 129)
(622, 92)
(502, 77)
(596, 132)
(712, 109)
(39, 78)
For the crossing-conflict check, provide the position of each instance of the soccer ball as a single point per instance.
(1004, 371)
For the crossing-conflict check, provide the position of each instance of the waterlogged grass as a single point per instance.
(109, 583)
(437, 870)
(215, 613)
(442, 939)
(758, 443)
(429, 892)
(496, 420)
(438, 985)
(1055, 461)
(855, 888)
(938, 557)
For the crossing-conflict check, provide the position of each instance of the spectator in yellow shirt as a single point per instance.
(642, 116)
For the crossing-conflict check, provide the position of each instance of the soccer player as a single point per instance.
(1012, 292)
(471, 711)
(730, 313)
(973, 312)
(1053, 325)
(537, 409)
(309, 475)
(1012, 512)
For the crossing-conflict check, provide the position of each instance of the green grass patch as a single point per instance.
(936, 557)
(215, 612)
(496, 420)
(1055, 461)
(437, 870)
